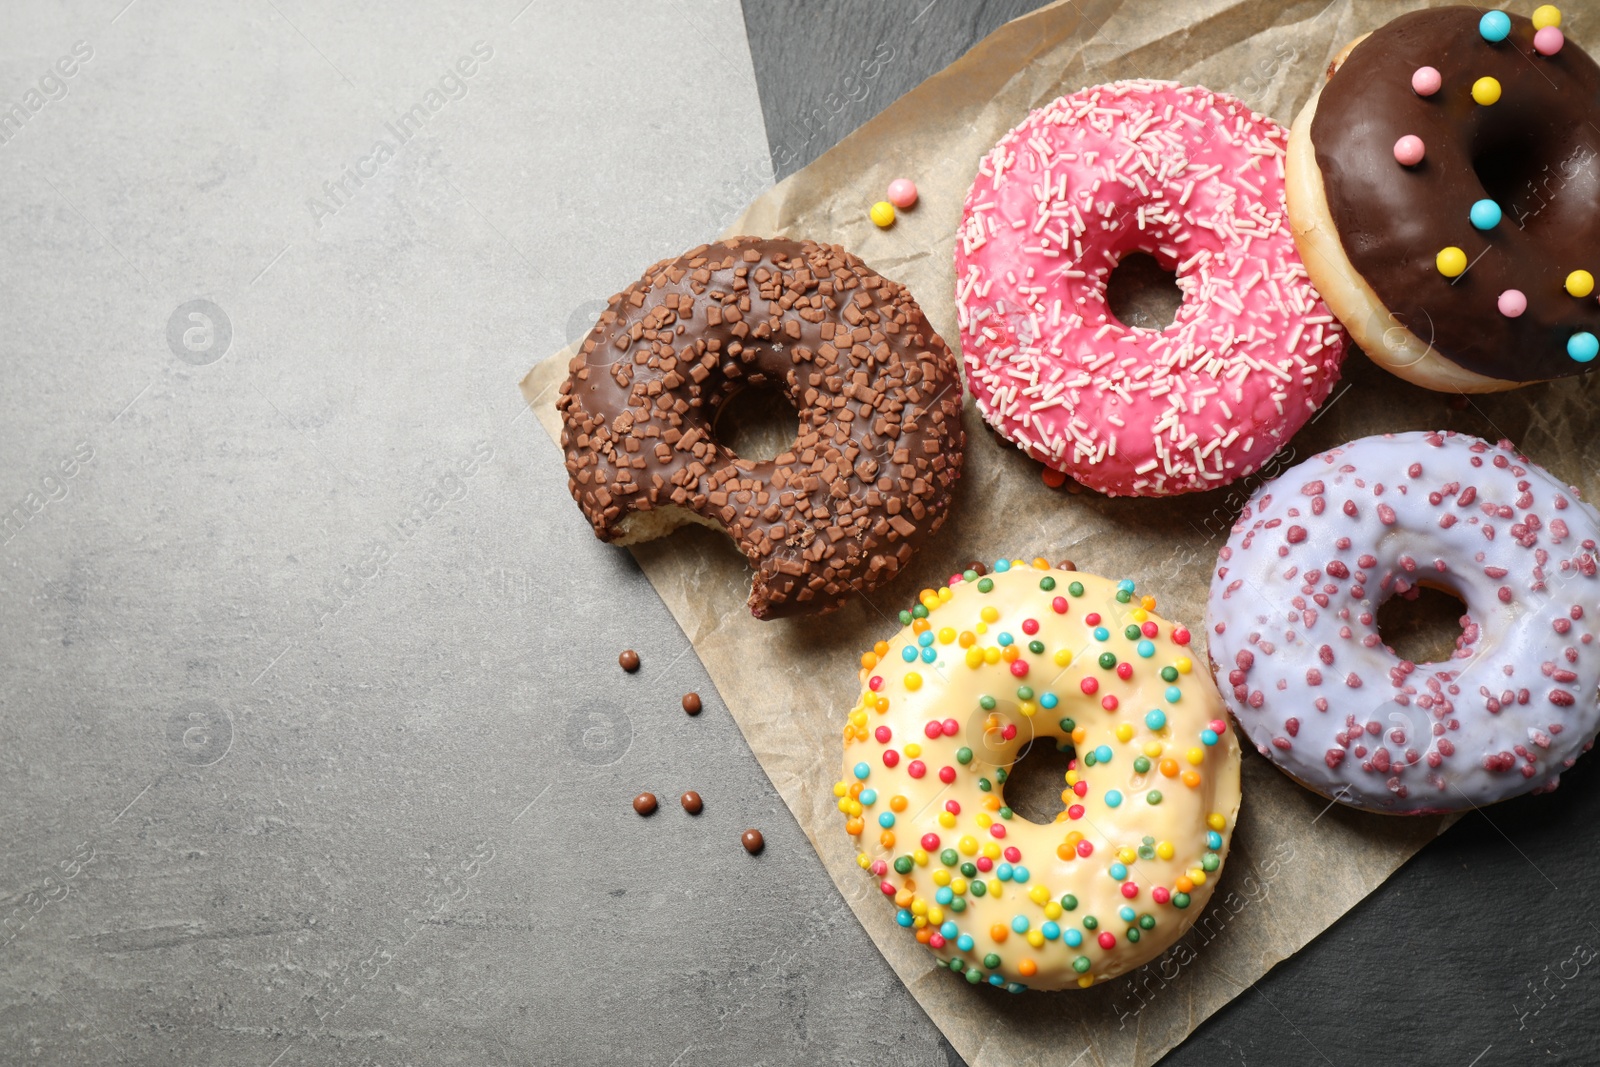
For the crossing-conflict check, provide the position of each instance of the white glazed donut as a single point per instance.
(1295, 645)
(982, 668)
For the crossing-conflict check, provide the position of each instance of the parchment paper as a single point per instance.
(1297, 863)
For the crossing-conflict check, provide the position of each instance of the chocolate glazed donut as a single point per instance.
(1370, 227)
(869, 476)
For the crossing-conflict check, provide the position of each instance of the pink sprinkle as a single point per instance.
(1513, 302)
(1408, 150)
(1548, 41)
(903, 191)
(1426, 81)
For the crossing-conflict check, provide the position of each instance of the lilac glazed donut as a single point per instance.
(1294, 641)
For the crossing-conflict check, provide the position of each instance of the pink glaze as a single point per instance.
(1195, 179)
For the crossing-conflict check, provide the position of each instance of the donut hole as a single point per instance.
(759, 422)
(1421, 624)
(1034, 783)
(1518, 169)
(1142, 294)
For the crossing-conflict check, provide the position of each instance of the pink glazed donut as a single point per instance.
(1295, 646)
(1194, 179)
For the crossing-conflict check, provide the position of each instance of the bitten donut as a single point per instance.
(1442, 188)
(983, 667)
(1294, 637)
(1194, 179)
(870, 475)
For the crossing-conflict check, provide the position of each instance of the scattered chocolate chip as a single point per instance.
(691, 703)
(1066, 565)
(753, 841)
(629, 661)
(645, 803)
(692, 802)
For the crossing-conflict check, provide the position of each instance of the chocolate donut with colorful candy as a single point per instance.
(1442, 187)
(984, 667)
(1194, 179)
(1295, 645)
(869, 476)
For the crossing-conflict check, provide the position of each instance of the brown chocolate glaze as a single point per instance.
(869, 476)
(1536, 153)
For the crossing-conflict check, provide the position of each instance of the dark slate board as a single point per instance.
(1485, 948)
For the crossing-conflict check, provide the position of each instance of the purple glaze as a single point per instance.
(1294, 641)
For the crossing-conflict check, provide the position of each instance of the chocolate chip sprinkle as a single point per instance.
(691, 703)
(752, 841)
(629, 661)
(692, 803)
(645, 803)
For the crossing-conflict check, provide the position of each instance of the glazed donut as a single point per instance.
(1443, 230)
(1194, 179)
(869, 477)
(982, 668)
(1295, 645)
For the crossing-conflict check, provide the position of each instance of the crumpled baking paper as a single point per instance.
(1297, 862)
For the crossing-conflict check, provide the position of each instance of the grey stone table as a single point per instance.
(313, 744)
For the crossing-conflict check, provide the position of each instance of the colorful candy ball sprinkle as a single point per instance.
(1580, 283)
(1426, 81)
(1512, 302)
(1548, 41)
(1409, 150)
(629, 661)
(902, 193)
(1583, 346)
(882, 214)
(1451, 261)
(1485, 214)
(752, 841)
(1546, 15)
(1486, 91)
(1495, 26)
